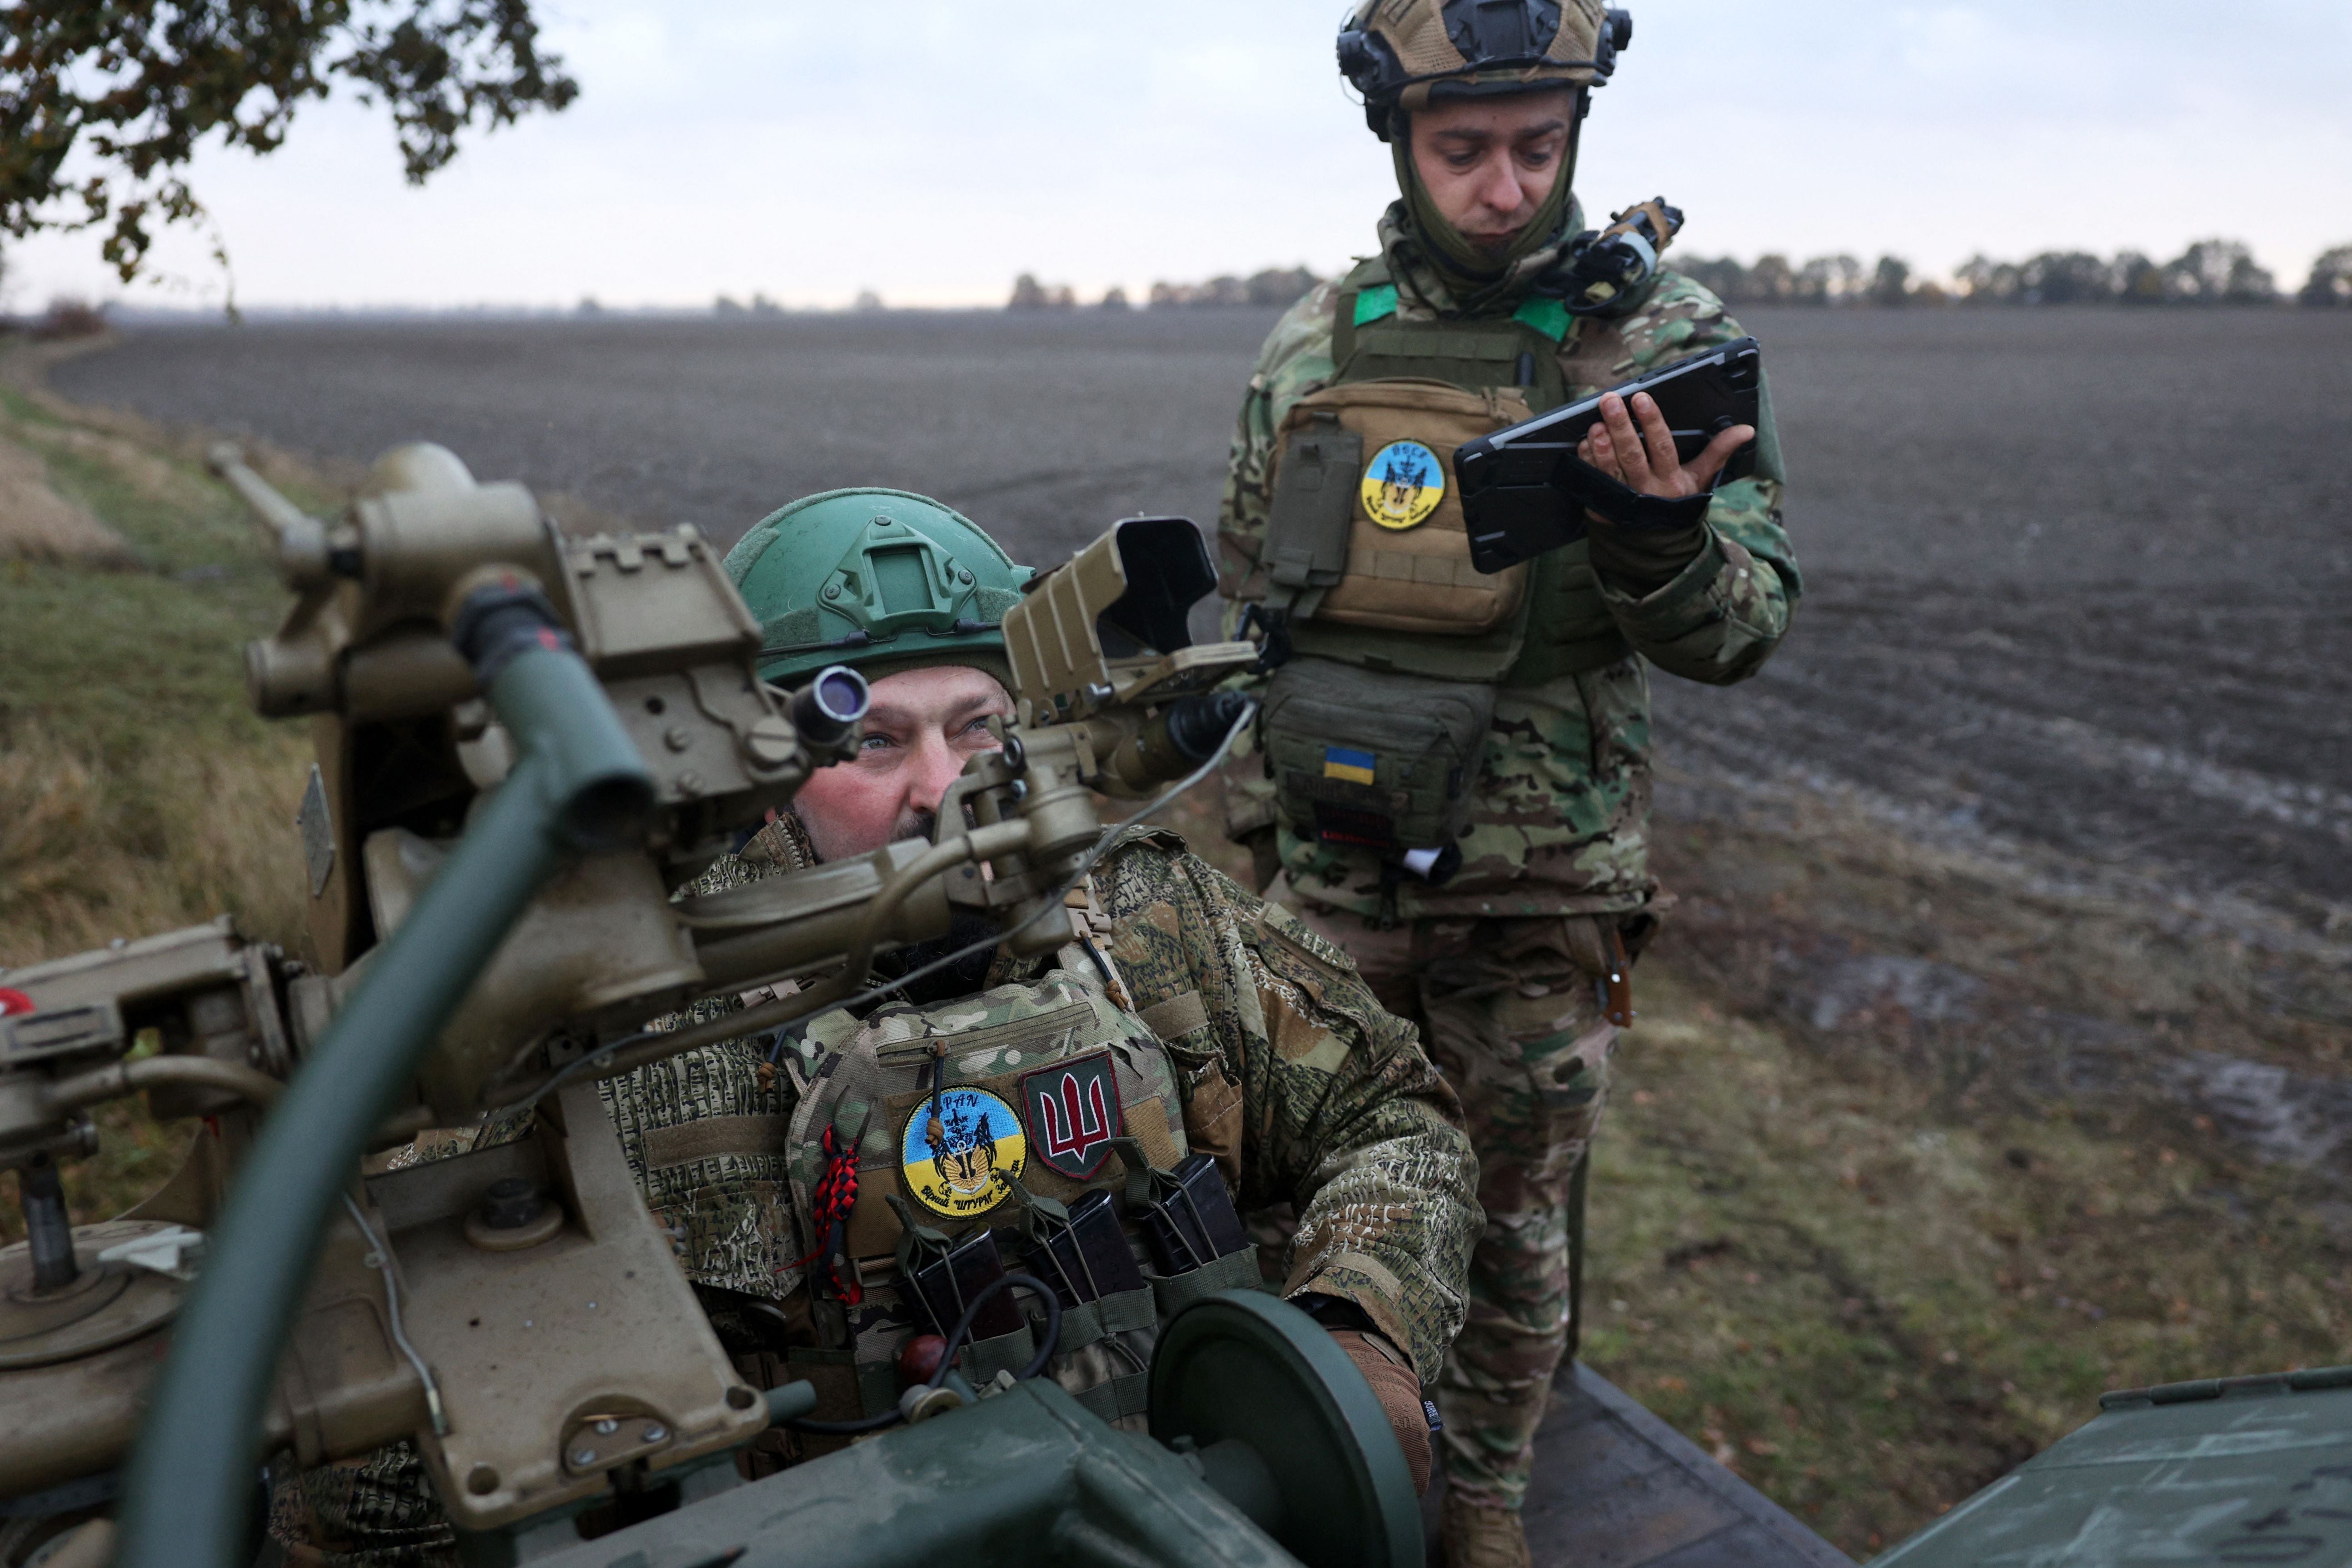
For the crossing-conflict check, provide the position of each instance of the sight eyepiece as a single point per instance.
(830, 706)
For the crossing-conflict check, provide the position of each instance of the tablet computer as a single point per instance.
(1513, 501)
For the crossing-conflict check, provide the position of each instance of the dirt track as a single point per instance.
(2076, 580)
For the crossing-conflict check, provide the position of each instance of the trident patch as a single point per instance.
(1072, 1113)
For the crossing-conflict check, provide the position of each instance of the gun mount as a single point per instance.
(525, 744)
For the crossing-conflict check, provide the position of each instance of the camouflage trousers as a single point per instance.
(374, 1512)
(1511, 1011)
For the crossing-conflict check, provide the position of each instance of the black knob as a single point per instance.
(1196, 724)
(49, 1229)
(510, 1203)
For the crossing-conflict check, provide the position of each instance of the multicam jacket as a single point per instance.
(1289, 1072)
(1559, 822)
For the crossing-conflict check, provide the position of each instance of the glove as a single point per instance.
(1396, 1386)
(1639, 542)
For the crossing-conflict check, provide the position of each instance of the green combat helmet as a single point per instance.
(879, 580)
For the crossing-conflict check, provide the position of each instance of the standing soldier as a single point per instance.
(1456, 769)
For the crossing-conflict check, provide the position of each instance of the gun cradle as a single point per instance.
(76, 1386)
(600, 936)
(74, 1377)
(398, 716)
(204, 992)
(76, 1360)
(531, 1350)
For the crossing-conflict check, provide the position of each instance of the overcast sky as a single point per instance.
(931, 150)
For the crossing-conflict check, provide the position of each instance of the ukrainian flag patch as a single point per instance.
(1356, 767)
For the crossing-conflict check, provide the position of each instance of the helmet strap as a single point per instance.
(1576, 133)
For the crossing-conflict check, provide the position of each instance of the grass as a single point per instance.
(1870, 1263)
(138, 792)
(1871, 1311)
(1873, 1266)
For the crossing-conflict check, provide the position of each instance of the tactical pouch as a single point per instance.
(1366, 528)
(1190, 1222)
(1083, 1256)
(982, 1359)
(945, 1283)
(1314, 507)
(1375, 761)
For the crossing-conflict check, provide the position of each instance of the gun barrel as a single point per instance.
(297, 539)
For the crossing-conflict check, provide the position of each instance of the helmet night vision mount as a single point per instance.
(525, 742)
(1403, 55)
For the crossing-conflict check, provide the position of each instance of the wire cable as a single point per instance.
(379, 1259)
(955, 1341)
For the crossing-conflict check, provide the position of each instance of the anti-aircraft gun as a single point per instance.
(525, 744)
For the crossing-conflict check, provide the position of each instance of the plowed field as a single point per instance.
(2075, 579)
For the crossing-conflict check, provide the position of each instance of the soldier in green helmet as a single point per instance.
(1456, 778)
(834, 1189)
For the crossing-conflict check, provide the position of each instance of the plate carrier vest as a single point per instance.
(1373, 732)
(1004, 1092)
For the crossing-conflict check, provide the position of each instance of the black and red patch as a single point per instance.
(1073, 1112)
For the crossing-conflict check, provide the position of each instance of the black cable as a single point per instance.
(890, 1417)
(956, 1339)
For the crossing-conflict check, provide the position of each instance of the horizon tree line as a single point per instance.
(2217, 271)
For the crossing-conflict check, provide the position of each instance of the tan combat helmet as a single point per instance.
(1402, 54)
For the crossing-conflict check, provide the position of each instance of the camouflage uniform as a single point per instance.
(1291, 1075)
(1500, 964)
(372, 1513)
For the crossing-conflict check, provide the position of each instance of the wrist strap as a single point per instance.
(1624, 506)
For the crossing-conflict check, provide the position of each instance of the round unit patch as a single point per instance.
(1402, 485)
(960, 1150)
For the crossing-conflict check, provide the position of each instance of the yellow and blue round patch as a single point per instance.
(961, 1150)
(1402, 485)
